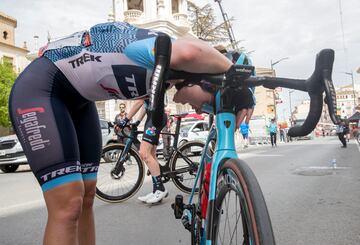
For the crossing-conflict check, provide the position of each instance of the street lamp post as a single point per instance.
(290, 92)
(353, 85)
(272, 64)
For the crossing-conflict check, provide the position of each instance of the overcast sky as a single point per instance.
(274, 29)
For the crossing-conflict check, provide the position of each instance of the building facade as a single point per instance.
(347, 100)
(265, 98)
(9, 52)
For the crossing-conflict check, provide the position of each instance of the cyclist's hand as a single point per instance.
(122, 123)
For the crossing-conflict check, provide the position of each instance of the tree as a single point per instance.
(204, 26)
(7, 78)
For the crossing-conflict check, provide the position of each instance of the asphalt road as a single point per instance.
(309, 202)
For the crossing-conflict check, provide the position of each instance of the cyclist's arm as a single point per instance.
(135, 108)
(195, 55)
(141, 114)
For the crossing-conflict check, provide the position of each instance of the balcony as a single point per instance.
(181, 19)
(132, 15)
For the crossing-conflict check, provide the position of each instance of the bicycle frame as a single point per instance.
(165, 171)
(225, 148)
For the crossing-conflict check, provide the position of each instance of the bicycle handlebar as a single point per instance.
(238, 75)
(319, 82)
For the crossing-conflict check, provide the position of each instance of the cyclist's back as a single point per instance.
(112, 60)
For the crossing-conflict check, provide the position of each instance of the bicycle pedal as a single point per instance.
(178, 206)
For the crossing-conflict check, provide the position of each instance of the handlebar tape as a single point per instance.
(312, 119)
(319, 82)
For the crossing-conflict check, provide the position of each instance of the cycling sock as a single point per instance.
(157, 184)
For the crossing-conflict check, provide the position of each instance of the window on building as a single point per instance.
(175, 6)
(136, 4)
(5, 35)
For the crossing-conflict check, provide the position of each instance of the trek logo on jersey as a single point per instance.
(132, 86)
(30, 124)
(131, 80)
(83, 59)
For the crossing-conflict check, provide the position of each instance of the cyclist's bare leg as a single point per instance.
(86, 222)
(249, 115)
(64, 205)
(194, 55)
(148, 154)
(240, 116)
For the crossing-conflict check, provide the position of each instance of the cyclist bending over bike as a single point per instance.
(53, 112)
(147, 150)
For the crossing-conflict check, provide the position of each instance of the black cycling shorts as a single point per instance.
(151, 133)
(58, 129)
(244, 99)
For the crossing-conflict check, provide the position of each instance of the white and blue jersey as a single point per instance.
(111, 60)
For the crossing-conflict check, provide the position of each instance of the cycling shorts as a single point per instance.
(151, 133)
(244, 99)
(58, 129)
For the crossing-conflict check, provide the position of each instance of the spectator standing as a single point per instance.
(120, 117)
(273, 132)
(282, 135)
(340, 131)
(244, 130)
(346, 130)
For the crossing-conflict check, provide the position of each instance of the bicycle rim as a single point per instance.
(111, 189)
(240, 212)
(187, 155)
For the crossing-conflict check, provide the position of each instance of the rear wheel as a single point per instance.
(186, 161)
(9, 168)
(240, 214)
(118, 188)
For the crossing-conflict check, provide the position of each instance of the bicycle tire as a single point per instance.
(179, 161)
(234, 175)
(113, 190)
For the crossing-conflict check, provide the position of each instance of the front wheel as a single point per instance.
(185, 163)
(240, 215)
(117, 188)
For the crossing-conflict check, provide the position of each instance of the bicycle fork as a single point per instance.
(118, 171)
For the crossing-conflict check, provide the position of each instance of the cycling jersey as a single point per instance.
(111, 61)
(52, 105)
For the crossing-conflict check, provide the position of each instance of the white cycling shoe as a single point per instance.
(157, 197)
(146, 197)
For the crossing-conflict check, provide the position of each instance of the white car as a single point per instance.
(12, 154)
(193, 130)
(107, 133)
(189, 131)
